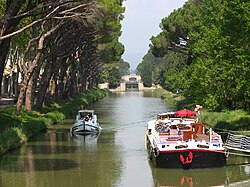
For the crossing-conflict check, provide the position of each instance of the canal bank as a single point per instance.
(234, 121)
(17, 130)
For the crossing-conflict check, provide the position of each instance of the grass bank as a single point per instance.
(16, 130)
(237, 121)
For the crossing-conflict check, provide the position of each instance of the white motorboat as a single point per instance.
(181, 142)
(86, 123)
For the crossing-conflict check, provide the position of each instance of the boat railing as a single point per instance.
(239, 142)
(215, 138)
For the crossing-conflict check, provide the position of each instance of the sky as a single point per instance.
(141, 22)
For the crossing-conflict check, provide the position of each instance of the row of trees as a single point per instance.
(204, 50)
(113, 73)
(60, 47)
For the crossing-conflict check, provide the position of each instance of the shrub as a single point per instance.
(16, 130)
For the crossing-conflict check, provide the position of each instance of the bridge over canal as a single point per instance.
(130, 82)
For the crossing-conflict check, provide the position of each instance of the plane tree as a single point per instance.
(62, 17)
(13, 14)
(64, 45)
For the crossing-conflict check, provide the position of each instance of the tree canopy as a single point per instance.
(60, 47)
(204, 47)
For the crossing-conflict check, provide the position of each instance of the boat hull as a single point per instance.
(84, 129)
(200, 159)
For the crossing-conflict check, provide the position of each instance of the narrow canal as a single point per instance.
(116, 157)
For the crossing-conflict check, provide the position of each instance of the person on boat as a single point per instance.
(166, 128)
(86, 118)
(197, 111)
(90, 117)
(158, 127)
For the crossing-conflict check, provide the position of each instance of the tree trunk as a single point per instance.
(63, 72)
(29, 96)
(73, 80)
(53, 82)
(31, 69)
(6, 27)
(26, 79)
(25, 82)
(21, 95)
(50, 96)
(44, 83)
(4, 49)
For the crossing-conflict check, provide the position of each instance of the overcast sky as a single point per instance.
(141, 22)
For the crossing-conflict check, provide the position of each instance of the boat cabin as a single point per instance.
(164, 116)
(174, 130)
(85, 114)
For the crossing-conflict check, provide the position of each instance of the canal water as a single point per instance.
(115, 158)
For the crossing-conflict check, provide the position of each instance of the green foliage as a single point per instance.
(19, 129)
(109, 48)
(2, 8)
(215, 37)
(33, 127)
(14, 137)
(8, 119)
(211, 102)
(10, 139)
(54, 117)
(150, 69)
(145, 69)
(90, 34)
(229, 121)
(162, 71)
(218, 55)
(20, 41)
(70, 106)
(111, 52)
(112, 73)
(110, 29)
(159, 44)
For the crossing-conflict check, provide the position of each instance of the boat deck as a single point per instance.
(201, 137)
(174, 135)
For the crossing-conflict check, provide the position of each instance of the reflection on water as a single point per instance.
(61, 160)
(85, 140)
(190, 178)
(115, 157)
(201, 177)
